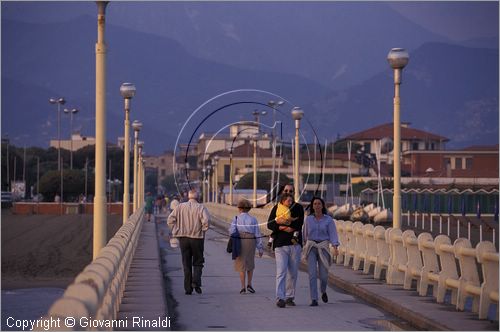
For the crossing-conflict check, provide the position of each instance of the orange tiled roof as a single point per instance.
(387, 130)
(481, 148)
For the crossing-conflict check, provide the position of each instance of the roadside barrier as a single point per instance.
(97, 291)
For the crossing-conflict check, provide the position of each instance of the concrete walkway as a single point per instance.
(222, 307)
(144, 294)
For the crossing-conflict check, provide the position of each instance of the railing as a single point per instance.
(406, 258)
(97, 291)
(416, 258)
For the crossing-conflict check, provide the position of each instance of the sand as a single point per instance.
(47, 250)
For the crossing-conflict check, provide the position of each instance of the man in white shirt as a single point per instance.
(189, 222)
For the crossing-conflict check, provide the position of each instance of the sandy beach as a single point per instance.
(47, 250)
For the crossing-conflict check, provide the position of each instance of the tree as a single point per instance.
(73, 184)
(169, 184)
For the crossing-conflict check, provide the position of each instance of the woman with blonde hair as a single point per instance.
(251, 239)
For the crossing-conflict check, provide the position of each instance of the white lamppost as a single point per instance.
(137, 127)
(127, 90)
(140, 174)
(100, 134)
(59, 102)
(273, 105)
(204, 170)
(398, 59)
(255, 171)
(297, 114)
(216, 180)
(71, 112)
(209, 183)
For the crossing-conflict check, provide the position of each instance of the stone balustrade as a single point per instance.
(429, 262)
(97, 291)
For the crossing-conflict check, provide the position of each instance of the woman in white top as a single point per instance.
(319, 232)
(251, 238)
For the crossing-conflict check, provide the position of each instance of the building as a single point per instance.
(163, 165)
(470, 162)
(411, 140)
(77, 141)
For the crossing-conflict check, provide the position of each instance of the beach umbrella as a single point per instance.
(437, 203)
(426, 203)
(450, 204)
(463, 205)
(496, 212)
(478, 210)
(415, 202)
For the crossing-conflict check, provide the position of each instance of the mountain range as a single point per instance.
(322, 60)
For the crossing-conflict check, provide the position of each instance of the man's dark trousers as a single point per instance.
(192, 261)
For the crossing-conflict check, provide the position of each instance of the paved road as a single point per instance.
(221, 307)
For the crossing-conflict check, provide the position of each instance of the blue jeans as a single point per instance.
(287, 268)
(313, 261)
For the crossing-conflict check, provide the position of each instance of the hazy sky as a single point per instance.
(453, 19)
(458, 20)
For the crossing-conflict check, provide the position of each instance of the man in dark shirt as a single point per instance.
(287, 253)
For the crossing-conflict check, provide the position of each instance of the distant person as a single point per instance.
(167, 203)
(287, 253)
(57, 198)
(319, 232)
(175, 202)
(158, 203)
(148, 207)
(251, 239)
(188, 222)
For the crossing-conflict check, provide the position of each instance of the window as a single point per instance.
(447, 163)
(367, 147)
(468, 163)
(458, 163)
(249, 166)
(433, 147)
(414, 146)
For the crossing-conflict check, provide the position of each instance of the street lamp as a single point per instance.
(273, 105)
(204, 170)
(59, 102)
(127, 90)
(213, 181)
(71, 112)
(216, 180)
(100, 216)
(209, 184)
(398, 59)
(297, 114)
(140, 174)
(137, 127)
(255, 171)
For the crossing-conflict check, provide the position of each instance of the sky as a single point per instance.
(457, 20)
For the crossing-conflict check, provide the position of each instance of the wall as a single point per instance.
(66, 208)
